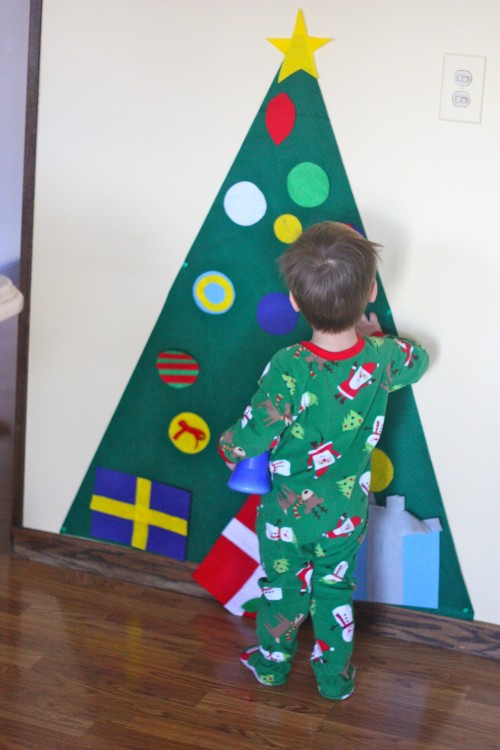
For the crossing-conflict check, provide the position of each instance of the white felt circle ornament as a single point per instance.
(245, 204)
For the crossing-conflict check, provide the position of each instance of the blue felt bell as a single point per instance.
(252, 475)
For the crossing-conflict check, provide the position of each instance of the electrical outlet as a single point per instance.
(462, 88)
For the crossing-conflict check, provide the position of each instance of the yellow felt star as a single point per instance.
(299, 50)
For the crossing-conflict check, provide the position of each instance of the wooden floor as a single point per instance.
(90, 662)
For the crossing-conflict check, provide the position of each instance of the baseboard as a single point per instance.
(109, 560)
(473, 638)
(465, 636)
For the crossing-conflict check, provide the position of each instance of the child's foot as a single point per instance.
(248, 658)
(346, 692)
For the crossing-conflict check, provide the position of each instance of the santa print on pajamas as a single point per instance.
(311, 523)
(321, 457)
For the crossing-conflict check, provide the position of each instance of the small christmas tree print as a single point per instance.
(352, 421)
(346, 485)
(226, 314)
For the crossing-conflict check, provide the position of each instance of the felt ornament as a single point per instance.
(231, 570)
(140, 513)
(275, 315)
(280, 117)
(177, 369)
(189, 432)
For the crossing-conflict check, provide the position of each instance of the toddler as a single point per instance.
(320, 409)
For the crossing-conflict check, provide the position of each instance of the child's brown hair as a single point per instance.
(330, 270)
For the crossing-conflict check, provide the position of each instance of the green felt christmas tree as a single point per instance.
(156, 481)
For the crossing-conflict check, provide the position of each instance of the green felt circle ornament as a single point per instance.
(308, 184)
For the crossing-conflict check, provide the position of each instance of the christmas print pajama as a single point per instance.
(321, 415)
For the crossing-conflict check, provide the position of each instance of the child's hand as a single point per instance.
(368, 326)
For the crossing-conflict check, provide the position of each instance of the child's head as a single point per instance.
(330, 271)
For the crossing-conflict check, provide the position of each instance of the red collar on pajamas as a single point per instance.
(345, 354)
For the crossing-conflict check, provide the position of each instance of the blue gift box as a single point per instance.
(140, 513)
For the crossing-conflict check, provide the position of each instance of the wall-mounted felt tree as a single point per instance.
(156, 479)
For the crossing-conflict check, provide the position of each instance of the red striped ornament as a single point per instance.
(177, 369)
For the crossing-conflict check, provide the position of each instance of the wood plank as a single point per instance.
(412, 626)
(18, 735)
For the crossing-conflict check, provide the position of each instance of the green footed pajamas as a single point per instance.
(315, 578)
(320, 414)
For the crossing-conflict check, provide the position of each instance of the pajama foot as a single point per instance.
(346, 691)
(249, 657)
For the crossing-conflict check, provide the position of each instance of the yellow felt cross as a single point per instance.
(140, 513)
(299, 50)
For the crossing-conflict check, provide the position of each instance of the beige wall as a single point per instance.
(144, 105)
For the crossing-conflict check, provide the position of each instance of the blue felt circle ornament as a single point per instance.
(213, 292)
(275, 315)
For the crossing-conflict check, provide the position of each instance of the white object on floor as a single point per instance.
(11, 299)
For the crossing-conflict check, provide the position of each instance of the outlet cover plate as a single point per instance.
(462, 88)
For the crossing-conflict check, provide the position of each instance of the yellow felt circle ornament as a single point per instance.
(287, 228)
(189, 432)
(382, 471)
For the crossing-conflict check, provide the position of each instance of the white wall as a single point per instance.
(14, 18)
(144, 105)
